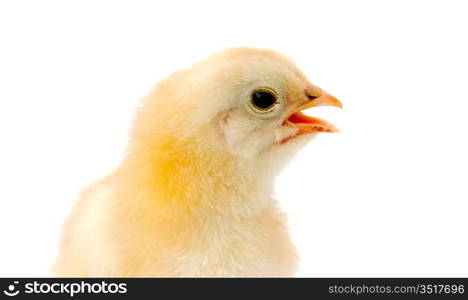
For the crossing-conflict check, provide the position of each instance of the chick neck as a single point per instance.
(195, 176)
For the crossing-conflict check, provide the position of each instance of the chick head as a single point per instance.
(245, 102)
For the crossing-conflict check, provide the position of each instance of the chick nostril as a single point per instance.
(313, 94)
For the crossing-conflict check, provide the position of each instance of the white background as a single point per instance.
(386, 197)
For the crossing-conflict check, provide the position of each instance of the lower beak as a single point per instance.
(307, 124)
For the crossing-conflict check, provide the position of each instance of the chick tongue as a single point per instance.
(310, 124)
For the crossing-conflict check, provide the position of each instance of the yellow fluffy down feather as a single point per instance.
(192, 198)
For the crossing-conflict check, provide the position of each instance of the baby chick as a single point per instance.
(193, 196)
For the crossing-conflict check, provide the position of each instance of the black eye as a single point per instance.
(263, 100)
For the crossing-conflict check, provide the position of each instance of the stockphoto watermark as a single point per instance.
(65, 288)
(416, 289)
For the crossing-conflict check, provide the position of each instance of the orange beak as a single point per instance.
(307, 124)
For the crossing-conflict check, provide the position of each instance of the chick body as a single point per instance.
(201, 223)
(193, 196)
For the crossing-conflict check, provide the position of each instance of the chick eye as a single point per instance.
(263, 100)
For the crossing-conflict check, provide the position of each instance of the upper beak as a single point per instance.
(325, 99)
(307, 124)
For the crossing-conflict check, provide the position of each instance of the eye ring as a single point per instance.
(263, 100)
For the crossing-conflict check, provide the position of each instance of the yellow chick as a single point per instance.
(193, 197)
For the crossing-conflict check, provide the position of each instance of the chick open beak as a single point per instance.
(307, 124)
